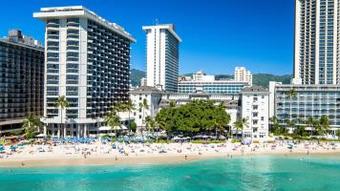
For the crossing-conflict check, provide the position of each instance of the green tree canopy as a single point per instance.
(196, 116)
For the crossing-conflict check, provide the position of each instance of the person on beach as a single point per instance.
(185, 157)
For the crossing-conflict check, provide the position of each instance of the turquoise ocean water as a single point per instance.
(239, 173)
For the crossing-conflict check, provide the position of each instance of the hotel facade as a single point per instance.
(316, 67)
(87, 59)
(255, 110)
(200, 82)
(317, 42)
(21, 80)
(310, 101)
(162, 56)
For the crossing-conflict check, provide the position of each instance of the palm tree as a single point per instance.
(31, 124)
(130, 107)
(324, 125)
(291, 124)
(222, 118)
(275, 126)
(143, 105)
(338, 134)
(313, 124)
(172, 103)
(62, 104)
(118, 107)
(112, 120)
(292, 95)
(240, 124)
(300, 130)
(150, 123)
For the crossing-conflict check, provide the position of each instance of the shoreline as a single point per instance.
(145, 159)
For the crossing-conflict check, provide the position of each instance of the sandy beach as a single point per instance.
(104, 154)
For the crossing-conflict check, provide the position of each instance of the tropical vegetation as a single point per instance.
(300, 128)
(112, 120)
(240, 124)
(194, 117)
(62, 104)
(31, 125)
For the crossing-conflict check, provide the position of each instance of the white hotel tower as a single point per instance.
(87, 60)
(317, 46)
(162, 56)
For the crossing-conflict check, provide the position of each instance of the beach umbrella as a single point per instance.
(197, 136)
(41, 135)
(221, 137)
(205, 136)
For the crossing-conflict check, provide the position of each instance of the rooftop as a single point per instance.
(146, 89)
(80, 11)
(15, 36)
(254, 89)
(169, 27)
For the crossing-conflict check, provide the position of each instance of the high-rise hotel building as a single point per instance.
(21, 80)
(162, 56)
(317, 42)
(88, 61)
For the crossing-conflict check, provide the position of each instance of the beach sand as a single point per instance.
(97, 154)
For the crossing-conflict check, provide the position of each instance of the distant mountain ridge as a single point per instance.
(136, 76)
(259, 79)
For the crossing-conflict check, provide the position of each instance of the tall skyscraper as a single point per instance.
(162, 56)
(317, 47)
(241, 74)
(21, 80)
(88, 61)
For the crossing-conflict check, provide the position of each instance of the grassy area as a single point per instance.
(235, 140)
(163, 141)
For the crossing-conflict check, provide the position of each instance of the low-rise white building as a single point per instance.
(143, 82)
(254, 108)
(152, 97)
(252, 103)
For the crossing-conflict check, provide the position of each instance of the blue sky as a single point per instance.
(217, 34)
